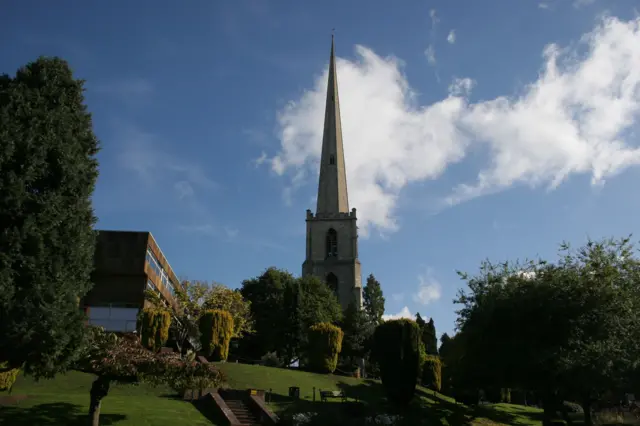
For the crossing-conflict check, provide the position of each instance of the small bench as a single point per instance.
(326, 395)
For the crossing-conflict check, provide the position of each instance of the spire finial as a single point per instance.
(333, 32)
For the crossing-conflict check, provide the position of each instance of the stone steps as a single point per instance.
(242, 412)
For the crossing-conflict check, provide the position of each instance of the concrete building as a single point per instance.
(126, 263)
(332, 233)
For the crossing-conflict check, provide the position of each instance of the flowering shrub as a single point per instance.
(300, 419)
(123, 359)
(384, 419)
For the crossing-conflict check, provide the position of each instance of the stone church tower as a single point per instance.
(332, 234)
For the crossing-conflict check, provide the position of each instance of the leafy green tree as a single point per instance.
(358, 332)
(283, 308)
(265, 293)
(564, 330)
(292, 327)
(221, 297)
(399, 352)
(48, 172)
(373, 300)
(320, 303)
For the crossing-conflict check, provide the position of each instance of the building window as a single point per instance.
(332, 282)
(332, 243)
(155, 266)
(332, 160)
(113, 318)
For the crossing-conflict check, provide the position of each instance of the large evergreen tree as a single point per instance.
(429, 338)
(358, 331)
(373, 299)
(48, 171)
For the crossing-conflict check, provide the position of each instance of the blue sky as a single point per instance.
(472, 129)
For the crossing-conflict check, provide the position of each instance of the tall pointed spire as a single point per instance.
(332, 185)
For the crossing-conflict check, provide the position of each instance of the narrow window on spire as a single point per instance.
(332, 243)
(332, 160)
(332, 282)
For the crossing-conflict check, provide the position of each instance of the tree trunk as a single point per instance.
(549, 408)
(99, 389)
(586, 408)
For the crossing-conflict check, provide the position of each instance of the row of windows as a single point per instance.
(159, 271)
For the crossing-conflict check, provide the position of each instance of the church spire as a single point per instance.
(332, 185)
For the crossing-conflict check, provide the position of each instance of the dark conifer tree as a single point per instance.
(48, 171)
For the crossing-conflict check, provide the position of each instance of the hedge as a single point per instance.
(162, 323)
(432, 373)
(216, 330)
(325, 344)
(155, 328)
(148, 331)
(8, 378)
(397, 349)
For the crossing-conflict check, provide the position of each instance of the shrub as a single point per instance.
(162, 322)
(505, 395)
(148, 331)
(432, 373)
(396, 348)
(8, 378)
(216, 330)
(325, 344)
(270, 359)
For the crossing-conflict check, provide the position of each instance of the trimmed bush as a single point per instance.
(396, 348)
(270, 359)
(148, 331)
(325, 344)
(505, 395)
(8, 378)
(162, 321)
(216, 330)
(432, 373)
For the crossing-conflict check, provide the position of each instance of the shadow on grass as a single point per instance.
(208, 408)
(456, 413)
(58, 413)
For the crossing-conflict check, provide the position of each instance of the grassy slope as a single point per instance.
(65, 400)
(429, 408)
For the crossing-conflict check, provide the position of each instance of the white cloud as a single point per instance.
(543, 5)
(451, 38)
(577, 117)
(430, 53)
(429, 290)
(404, 313)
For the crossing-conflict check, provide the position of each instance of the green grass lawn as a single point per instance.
(65, 400)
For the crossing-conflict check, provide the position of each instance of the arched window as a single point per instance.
(332, 160)
(332, 282)
(332, 243)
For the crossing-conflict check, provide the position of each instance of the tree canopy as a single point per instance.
(123, 359)
(283, 308)
(373, 299)
(48, 171)
(570, 328)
